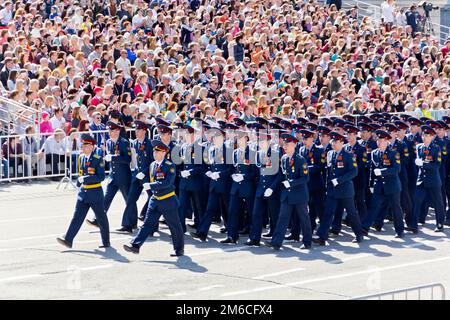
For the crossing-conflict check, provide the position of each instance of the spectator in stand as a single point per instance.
(54, 152)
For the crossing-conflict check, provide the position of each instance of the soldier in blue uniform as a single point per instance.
(191, 177)
(118, 153)
(359, 182)
(144, 157)
(294, 195)
(342, 169)
(324, 137)
(219, 174)
(429, 182)
(163, 202)
(385, 167)
(267, 196)
(446, 120)
(90, 193)
(369, 144)
(414, 137)
(242, 188)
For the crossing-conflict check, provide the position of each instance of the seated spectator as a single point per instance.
(13, 153)
(54, 152)
(31, 148)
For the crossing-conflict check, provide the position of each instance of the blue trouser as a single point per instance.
(286, 212)
(316, 206)
(130, 213)
(360, 202)
(187, 198)
(81, 210)
(331, 204)
(423, 193)
(260, 207)
(237, 204)
(379, 201)
(427, 202)
(111, 190)
(168, 208)
(4, 169)
(214, 202)
(447, 191)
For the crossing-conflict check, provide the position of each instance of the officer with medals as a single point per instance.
(191, 177)
(294, 195)
(144, 157)
(118, 154)
(429, 182)
(90, 194)
(342, 169)
(385, 168)
(414, 137)
(163, 202)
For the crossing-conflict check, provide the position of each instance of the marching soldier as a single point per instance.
(340, 191)
(144, 157)
(90, 193)
(429, 182)
(163, 202)
(118, 153)
(414, 139)
(385, 167)
(294, 195)
(242, 188)
(191, 181)
(267, 196)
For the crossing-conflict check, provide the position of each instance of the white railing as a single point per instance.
(434, 291)
(15, 116)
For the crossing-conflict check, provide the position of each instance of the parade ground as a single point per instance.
(34, 266)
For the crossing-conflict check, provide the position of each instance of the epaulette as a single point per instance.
(96, 156)
(168, 162)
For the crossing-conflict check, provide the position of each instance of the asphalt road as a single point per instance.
(34, 266)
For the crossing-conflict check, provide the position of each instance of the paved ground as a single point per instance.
(33, 265)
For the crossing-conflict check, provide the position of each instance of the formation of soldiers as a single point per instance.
(309, 176)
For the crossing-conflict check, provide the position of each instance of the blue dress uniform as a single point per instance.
(191, 185)
(344, 169)
(413, 141)
(359, 182)
(242, 193)
(90, 194)
(120, 175)
(269, 176)
(294, 198)
(219, 189)
(163, 202)
(386, 186)
(370, 145)
(316, 158)
(144, 157)
(428, 182)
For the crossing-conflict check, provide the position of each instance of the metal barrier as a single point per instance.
(424, 292)
(14, 116)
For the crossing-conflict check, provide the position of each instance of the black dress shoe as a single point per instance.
(92, 222)
(228, 240)
(377, 228)
(422, 221)
(104, 246)
(133, 249)
(333, 232)
(292, 237)
(319, 241)
(64, 242)
(365, 232)
(193, 225)
(215, 221)
(305, 247)
(223, 230)
(439, 228)
(267, 235)
(413, 230)
(141, 218)
(125, 229)
(244, 231)
(177, 253)
(358, 239)
(198, 235)
(399, 236)
(135, 226)
(271, 245)
(252, 243)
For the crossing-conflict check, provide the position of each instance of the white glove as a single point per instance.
(80, 179)
(286, 184)
(268, 192)
(215, 175)
(185, 173)
(371, 190)
(377, 172)
(146, 186)
(234, 177)
(208, 174)
(334, 182)
(419, 162)
(140, 176)
(237, 177)
(329, 157)
(108, 157)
